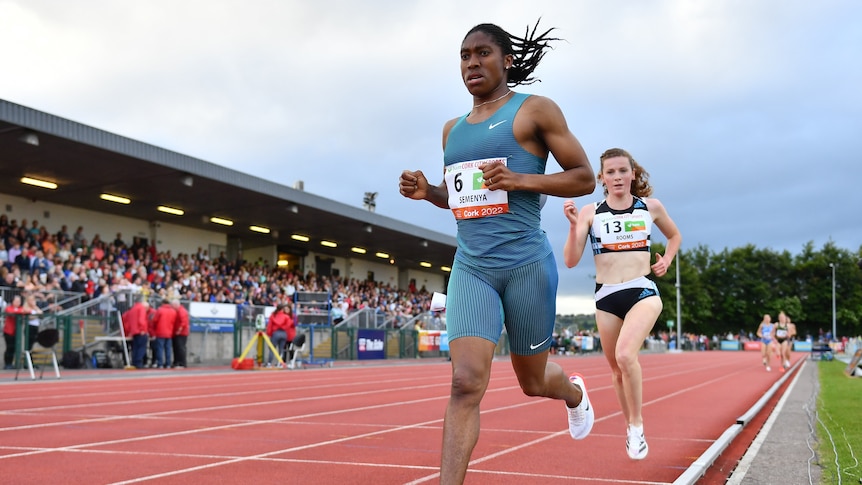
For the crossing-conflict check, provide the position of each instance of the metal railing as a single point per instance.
(52, 298)
(371, 318)
(89, 324)
(364, 318)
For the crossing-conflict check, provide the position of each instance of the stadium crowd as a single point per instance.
(38, 261)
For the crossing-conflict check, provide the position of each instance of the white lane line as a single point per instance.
(314, 445)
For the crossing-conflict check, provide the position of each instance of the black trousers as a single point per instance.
(9, 354)
(150, 352)
(32, 332)
(139, 350)
(179, 343)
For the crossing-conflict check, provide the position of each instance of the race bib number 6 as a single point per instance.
(469, 197)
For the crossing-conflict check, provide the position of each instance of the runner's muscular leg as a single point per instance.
(541, 378)
(636, 327)
(471, 370)
(609, 331)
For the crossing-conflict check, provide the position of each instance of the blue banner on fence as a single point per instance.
(211, 326)
(802, 346)
(729, 345)
(212, 317)
(370, 344)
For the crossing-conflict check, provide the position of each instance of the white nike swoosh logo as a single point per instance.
(494, 125)
(536, 346)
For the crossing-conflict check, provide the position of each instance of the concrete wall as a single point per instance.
(210, 348)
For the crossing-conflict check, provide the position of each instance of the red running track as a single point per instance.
(363, 424)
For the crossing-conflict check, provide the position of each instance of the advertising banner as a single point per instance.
(444, 341)
(431, 340)
(729, 345)
(802, 346)
(211, 317)
(370, 344)
(751, 345)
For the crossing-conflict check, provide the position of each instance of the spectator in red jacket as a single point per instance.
(12, 311)
(127, 324)
(280, 330)
(136, 327)
(181, 334)
(164, 322)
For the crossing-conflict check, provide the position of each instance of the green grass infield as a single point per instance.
(839, 424)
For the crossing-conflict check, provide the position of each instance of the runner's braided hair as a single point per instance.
(640, 185)
(526, 51)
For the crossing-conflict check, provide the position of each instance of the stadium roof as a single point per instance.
(85, 162)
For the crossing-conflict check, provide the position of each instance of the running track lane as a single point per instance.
(368, 424)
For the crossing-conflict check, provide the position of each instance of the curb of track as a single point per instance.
(700, 466)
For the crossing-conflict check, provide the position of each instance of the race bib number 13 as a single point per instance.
(469, 197)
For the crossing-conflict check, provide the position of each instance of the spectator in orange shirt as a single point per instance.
(97, 251)
(181, 334)
(49, 244)
(164, 322)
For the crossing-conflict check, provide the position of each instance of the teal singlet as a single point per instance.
(507, 240)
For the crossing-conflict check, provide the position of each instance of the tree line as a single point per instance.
(731, 290)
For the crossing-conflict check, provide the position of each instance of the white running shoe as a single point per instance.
(582, 417)
(636, 445)
(768, 369)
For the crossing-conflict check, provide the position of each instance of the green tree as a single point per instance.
(696, 294)
(731, 290)
(814, 277)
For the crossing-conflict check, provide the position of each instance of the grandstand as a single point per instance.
(153, 222)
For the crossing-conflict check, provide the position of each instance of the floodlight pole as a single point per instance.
(834, 334)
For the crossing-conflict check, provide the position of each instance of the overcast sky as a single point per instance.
(746, 113)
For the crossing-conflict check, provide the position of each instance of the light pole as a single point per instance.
(833, 265)
(678, 314)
